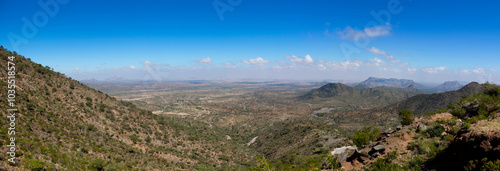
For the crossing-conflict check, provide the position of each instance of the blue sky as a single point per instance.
(423, 40)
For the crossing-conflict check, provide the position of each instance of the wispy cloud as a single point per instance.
(375, 31)
(478, 71)
(204, 60)
(380, 52)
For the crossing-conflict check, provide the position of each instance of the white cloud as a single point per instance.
(308, 59)
(411, 69)
(493, 70)
(478, 71)
(296, 59)
(131, 67)
(376, 62)
(435, 69)
(343, 65)
(204, 60)
(375, 31)
(76, 69)
(256, 61)
(376, 51)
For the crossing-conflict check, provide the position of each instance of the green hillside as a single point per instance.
(64, 125)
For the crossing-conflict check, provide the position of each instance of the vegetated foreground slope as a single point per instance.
(419, 104)
(63, 124)
(465, 136)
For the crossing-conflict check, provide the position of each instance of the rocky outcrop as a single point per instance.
(480, 141)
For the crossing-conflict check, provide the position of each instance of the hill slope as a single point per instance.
(63, 124)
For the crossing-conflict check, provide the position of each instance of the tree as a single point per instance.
(406, 117)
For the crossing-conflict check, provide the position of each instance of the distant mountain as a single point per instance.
(388, 82)
(449, 86)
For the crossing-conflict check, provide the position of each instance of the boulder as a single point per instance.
(376, 151)
(379, 148)
(342, 153)
(399, 128)
(388, 131)
(422, 127)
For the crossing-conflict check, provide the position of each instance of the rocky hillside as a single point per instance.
(466, 136)
(62, 124)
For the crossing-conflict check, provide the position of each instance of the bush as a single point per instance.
(406, 117)
(364, 136)
(98, 164)
(435, 130)
(458, 112)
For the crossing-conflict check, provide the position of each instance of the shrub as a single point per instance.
(435, 130)
(134, 138)
(35, 164)
(406, 117)
(364, 136)
(458, 112)
(385, 163)
(98, 164)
